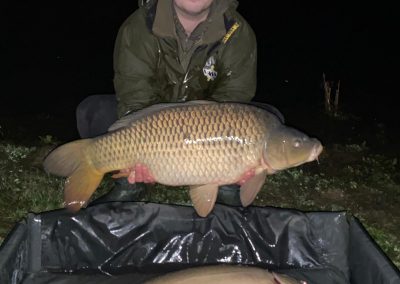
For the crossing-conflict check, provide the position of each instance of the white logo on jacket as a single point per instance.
(209, 69)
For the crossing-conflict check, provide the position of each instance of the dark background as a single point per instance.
(54, 55)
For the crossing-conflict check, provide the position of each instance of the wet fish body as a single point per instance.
(200, 144)
(224, 274)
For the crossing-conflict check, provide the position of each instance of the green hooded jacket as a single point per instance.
(150, 65)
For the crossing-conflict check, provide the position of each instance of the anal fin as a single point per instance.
(250, 189)
(203, 198)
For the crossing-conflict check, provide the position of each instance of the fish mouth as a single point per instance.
(317, 149)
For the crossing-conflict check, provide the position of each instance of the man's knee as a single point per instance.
(95, 114)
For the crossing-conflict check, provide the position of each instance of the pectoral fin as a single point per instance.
(203, 198)
(249, 190)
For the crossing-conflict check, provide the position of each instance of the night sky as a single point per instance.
(55, 55)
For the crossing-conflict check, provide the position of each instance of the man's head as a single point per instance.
(193, 8)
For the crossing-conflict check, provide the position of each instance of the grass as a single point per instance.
(24, 188)
(351, 175)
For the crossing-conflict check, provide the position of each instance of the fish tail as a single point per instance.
(69, 160)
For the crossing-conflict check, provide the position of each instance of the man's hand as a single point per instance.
(138, 173)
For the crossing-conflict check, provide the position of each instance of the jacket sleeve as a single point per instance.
(135, 64)
(238, 67)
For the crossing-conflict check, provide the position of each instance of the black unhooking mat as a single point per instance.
(130, 242)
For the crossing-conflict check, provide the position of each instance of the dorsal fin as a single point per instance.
(270, 109)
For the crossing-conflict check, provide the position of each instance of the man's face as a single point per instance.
(193, 7)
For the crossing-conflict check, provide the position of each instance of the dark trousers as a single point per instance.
(95, 114)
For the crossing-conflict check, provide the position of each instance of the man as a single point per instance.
(176, 51)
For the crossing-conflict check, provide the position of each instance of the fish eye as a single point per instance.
(297, 143)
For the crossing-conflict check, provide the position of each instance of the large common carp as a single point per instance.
(201, 144)
(224, 274)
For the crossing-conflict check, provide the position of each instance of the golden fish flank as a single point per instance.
(203, 145)
(224, 274)
(197, 152)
